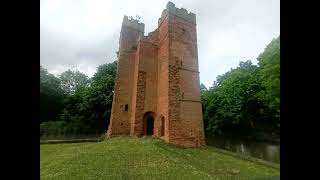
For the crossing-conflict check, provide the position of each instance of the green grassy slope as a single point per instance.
(142, 158)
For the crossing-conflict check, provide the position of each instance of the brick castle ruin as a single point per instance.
(157, 88)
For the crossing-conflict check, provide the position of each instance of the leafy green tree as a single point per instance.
(269, 62)
(51, 96)
(91, 106)
(230, 105)
(72, 80)
(245, 98)
(203, 88)
(100, 96)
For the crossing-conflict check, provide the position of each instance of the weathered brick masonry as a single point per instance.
(157, 87)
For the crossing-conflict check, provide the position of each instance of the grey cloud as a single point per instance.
(101, 50)
(58, 51)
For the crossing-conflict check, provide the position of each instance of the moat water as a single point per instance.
(263, 150)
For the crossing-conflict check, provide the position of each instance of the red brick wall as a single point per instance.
(159, 73)
(139, 108)
(120, 122)
(163, 77)
(145, 95)
(185, 113)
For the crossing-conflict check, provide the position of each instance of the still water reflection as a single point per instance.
(267, 151)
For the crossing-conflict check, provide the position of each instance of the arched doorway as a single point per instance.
(148, 121)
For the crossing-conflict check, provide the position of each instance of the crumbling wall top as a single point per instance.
(180, 12)
(132, 23)
(152, 37)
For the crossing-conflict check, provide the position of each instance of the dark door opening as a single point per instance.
(149, 123)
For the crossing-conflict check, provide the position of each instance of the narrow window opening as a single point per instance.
(126, 107)
(162, 126)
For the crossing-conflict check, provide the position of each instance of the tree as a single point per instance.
(91, 106)
(100, 96)
(245, 99)
(51, 96)
(71, 81)
(269, 62)
(203, 87)
(230, 105)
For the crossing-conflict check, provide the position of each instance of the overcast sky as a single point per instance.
(83, 34)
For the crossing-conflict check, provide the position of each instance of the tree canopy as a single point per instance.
(245, 96)
(51, 96)
(84, 104)
(73, 80)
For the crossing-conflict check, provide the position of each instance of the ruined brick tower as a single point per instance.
(157, 88)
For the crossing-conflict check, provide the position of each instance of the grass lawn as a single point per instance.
(143, 158)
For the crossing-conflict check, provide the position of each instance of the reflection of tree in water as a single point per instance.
(272, 152)
(258, 150)
(227, 145)
(238, 149)
(251, 149)
(264, 151)
(242, 148)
